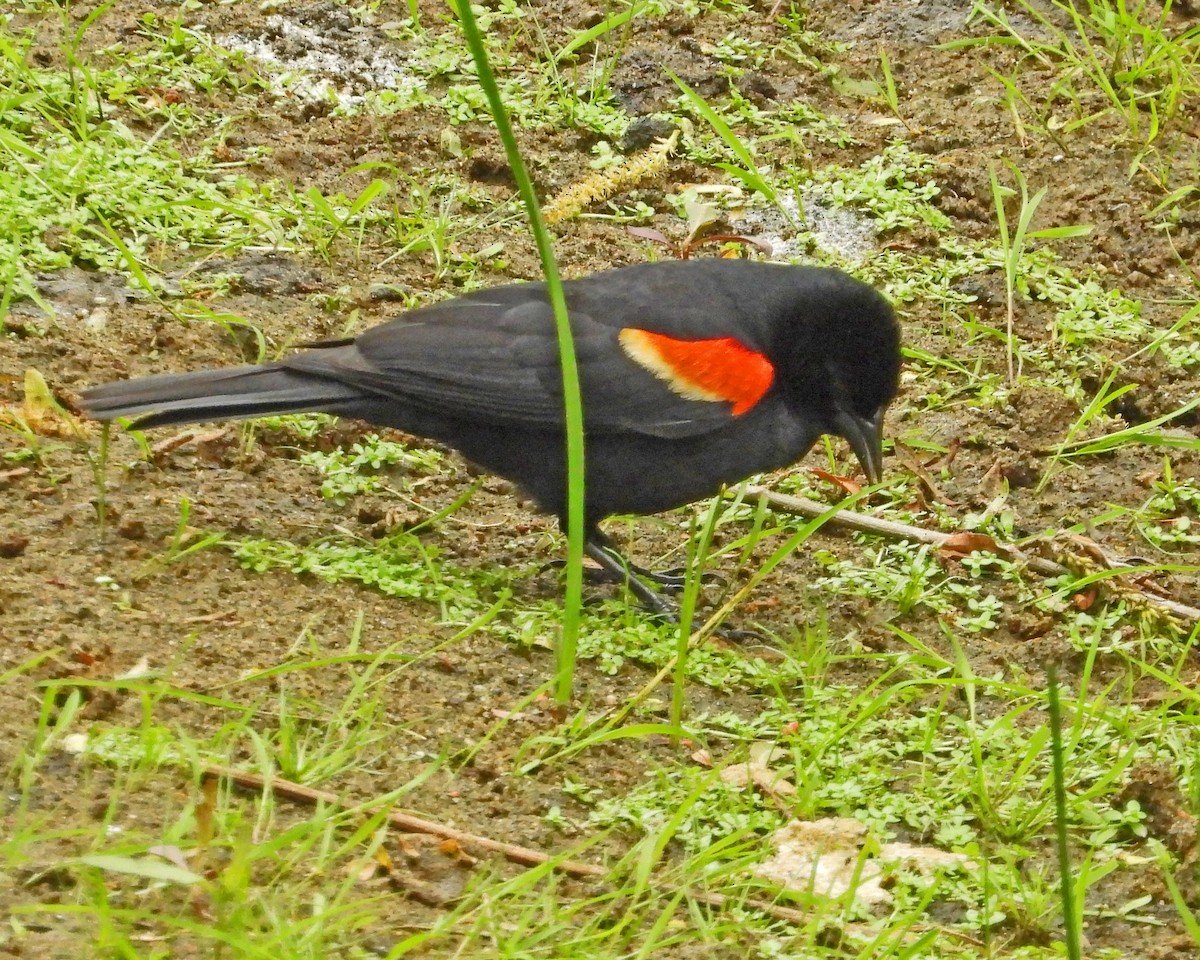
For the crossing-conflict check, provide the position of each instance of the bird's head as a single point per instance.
(842, 363)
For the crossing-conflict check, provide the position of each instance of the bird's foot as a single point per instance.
(616, 569)
(676, 578)
(668, 612)
(671, 581)
(611, 567)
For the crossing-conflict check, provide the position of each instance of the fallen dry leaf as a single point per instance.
(1085, 599)
(42, 414)
(757, 772)
(963, 544)
(822, 857)
(924, 477)
(846, 484)
(993, 482)
(834, 856)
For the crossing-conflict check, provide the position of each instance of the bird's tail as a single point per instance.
(233, 393)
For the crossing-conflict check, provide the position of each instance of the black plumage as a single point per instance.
(693, 374)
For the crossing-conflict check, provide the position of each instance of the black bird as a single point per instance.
(693, 374)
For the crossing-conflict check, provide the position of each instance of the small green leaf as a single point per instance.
(1057, 233)
(604, 26)
(148, 868)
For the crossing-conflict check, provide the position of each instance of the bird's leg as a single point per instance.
(621, 571)
(613, 567)
(672, 580)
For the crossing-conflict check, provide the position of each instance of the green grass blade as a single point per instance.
(1067, 886)
(604, 26)
(749, 174)
(572, 401)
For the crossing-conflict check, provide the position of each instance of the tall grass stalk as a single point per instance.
(572, 402)
(1071, 916)
(1014, 242)
(699, 551)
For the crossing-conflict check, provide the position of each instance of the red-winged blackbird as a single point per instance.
(694, 374)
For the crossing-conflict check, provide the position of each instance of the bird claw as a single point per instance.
(738, 635)
(671, 581)
(590, 574)
(669, 613)
(613, 568)
(655, 605)
(677, 577)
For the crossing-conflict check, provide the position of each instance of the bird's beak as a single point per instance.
(866, 440)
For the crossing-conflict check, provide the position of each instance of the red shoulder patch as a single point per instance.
(719, 369)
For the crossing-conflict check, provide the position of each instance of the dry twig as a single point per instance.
(849, 520)
(525, 856)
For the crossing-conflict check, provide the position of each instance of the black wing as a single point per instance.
(492, 357)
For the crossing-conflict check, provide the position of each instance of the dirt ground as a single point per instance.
(102, 606)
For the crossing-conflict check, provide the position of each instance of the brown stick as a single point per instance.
(849, 520)
(510, 851)
(525, 856)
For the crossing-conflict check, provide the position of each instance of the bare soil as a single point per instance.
(205, 622)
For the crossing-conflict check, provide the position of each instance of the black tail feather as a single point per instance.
(236, 393)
